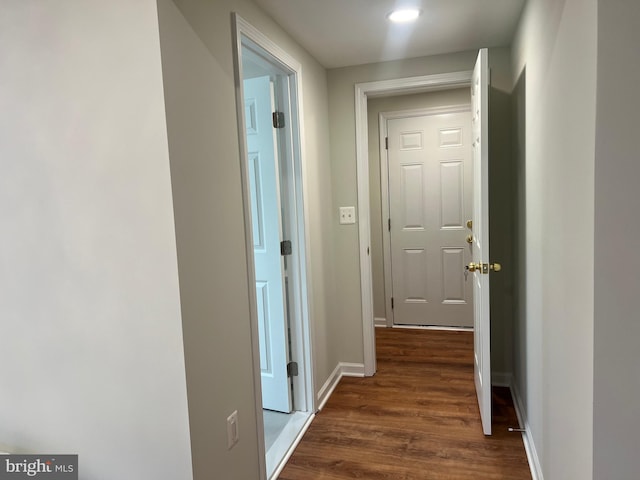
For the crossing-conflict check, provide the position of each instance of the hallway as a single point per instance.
(417, 418)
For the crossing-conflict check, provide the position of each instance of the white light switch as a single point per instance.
(347, 215)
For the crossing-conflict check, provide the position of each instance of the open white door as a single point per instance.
(266, 227)
(480, 228)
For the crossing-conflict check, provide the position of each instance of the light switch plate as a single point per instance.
(347, 215)
(233, 433)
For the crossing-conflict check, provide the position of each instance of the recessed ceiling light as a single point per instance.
(405, 15)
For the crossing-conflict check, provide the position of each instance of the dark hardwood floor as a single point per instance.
(417, 418)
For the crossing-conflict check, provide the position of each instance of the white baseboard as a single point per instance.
(352, 369)
(435, 327)
(527, 438)
(380, 322)
(343, 369)
(501, 379)
(329, 386)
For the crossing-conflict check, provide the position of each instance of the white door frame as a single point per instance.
(363, 91)
(384, 181)
(299, 261)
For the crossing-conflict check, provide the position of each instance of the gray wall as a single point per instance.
(205, 166)
(554, 59)
(91, 346)
(617, 261)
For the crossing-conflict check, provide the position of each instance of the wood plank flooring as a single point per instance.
(416, 419)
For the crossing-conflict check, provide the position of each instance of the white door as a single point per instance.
(430, 199)
(481, 266)
(266, 227)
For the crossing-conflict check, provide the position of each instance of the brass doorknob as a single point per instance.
(470, 224)
(469, 238)
(472, 267)
(496, 267)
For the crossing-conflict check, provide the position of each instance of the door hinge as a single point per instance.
(292, 369)
(389, 222)
(278, 120)
(386, 143)
(392, 304)
(285, 247)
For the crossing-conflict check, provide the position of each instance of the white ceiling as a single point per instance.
(339, 33)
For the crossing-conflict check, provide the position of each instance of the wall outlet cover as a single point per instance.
(347, 215)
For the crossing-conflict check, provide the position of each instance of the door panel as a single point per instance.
(453, 283)
(430, 183)
(257, 210)
(482, 321)
(412, 193)
(415, 276)
(262, 299)
(266, 223)
(452, 194)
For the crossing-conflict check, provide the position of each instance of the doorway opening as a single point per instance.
(364, 92)
(478, 80)
(270, 142)
(420, 201)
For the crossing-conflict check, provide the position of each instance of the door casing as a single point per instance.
(362, 92)
(304, 400)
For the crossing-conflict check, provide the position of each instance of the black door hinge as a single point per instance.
(292, 369)
(278, 120)
(285, 247)
(392, 304)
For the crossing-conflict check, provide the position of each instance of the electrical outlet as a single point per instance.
(347, 215)
(233, 432)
